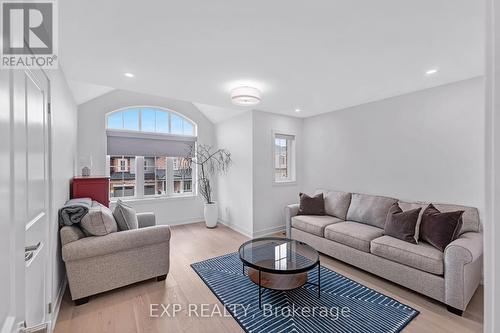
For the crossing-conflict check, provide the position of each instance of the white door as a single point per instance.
(24, 125)
(37, 243)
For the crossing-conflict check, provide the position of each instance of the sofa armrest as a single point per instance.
(115, 242)
(146, 219)
(463, 268)
(70, 234)
(290, 211)
(465, 249)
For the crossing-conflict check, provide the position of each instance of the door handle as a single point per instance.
(30, 250)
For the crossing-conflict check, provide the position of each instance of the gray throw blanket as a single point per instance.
(74, 210)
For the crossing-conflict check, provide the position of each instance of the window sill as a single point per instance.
(285, 183)
(146, 200)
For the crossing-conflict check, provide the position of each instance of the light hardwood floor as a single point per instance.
(127, 309)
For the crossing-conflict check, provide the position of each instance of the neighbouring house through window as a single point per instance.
(134, 138)
(122, 177)
(284, 158)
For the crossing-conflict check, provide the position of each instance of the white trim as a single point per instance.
(256, 234)
(236, 228)
(291, 139)
(56, 305)
(285, 183)
(8, 325)
(492, 168)
(153, 199)
(187, 221)
(269, 231)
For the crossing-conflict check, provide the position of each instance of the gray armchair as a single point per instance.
(98, 264)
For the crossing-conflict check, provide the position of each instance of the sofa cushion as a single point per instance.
(313, 224)
(353, 234)
(125, 216)
(369, 209)
(99, 221)
(421, 256)
(314, 205)
(470, 217)
(336, 202)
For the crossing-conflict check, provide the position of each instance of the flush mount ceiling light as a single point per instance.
(245, 96)
(431, 71)
(129, 75)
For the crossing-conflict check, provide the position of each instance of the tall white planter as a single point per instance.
(211, 213)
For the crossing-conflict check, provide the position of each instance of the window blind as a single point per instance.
(284, 136)
(148, 144)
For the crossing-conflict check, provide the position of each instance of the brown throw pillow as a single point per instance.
(440, 229)
(401, 224)
(311, 205)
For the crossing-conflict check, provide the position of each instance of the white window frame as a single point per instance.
(139, 108)
(139, 160)
(107, 173)
(125, 165)
(139, 182)
(291, 157)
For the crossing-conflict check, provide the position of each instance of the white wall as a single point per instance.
(249, 201)
(234, 190)
(269, 199)
(92, 142)
(426, 145)
(64, 152)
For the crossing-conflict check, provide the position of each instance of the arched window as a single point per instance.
(151, 120)
(146, 151)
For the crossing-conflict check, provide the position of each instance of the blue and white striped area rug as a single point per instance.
(344, 305)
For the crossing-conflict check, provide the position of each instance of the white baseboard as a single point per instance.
(260, 233)
(269, 231)
(236, 228)
(57, 304)
(181, 222)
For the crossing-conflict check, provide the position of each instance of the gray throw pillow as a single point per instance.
(311, 205)
(440, 229)
(401, 224)
(125, 216)
(99, 221)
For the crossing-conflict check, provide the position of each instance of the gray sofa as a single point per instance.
(100, 263)
(353, 232)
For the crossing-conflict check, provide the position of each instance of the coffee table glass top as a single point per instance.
(278, 255)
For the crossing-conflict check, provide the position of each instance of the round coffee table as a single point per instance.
(279, 263)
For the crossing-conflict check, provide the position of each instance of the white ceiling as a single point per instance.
(318, 56)
(84, 92)
(216, 113)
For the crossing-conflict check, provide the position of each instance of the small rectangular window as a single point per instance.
(284, 158)
(183, 178)
(122, 179)
(155, 175)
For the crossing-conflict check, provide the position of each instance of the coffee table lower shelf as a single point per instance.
(280, 281)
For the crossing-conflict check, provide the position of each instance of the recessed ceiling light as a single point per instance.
(431, 71)
(297, 110)
(128, 74)
(245, 96)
